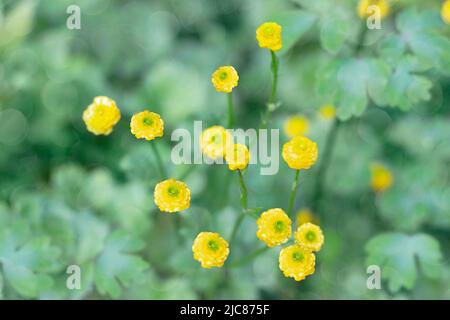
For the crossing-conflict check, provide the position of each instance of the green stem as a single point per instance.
(230, 111)
(273, 92)
(248, 258)
(240, 219)
(162, 169)
(293, 192)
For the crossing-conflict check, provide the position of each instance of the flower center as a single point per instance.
(223, 75)
(298, 256)
(279, 226)
(217, 139)
(269, 31)
(148, 121)
(173, 191)
(213, 245)
(310, 236)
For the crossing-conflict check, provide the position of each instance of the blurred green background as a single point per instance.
(69, 197)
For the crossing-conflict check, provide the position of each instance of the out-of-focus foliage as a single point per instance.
(68, 197)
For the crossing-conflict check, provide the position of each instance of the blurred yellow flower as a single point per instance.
(305, 216)
(274, 227)
(300, 153)
(296, 126)
(101, 116)
(237, 157)
(327, 112)
(445, 11)
(210, 249)
(172, 196)
(310, 236)
(381, 177)
(225, 79)
(363, 6)
(147, 125)
(269, 36)
(214, 141)
(296, 262)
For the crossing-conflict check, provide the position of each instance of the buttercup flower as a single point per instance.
(214, 141)
(296, 262)
(310, 236)
(237, 157)
(327, 112)
(210, 249)
(382, 178)
(296, 126)
(225, 79)
(300, 153)
(101, 116)
(274, 227)
(147, 125)
(172, 196)
(305, 216)
(363, 6)
(269, 36)
(445, 11)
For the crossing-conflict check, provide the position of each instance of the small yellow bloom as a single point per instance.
(382, 178)
(210, 249)
(310, 236)
(225, 79)
(101, 116)
(445, 11)
(305, 216)
(296, 262)
(327, 112)
(269, 36)
(296, 126)
(300, 153)
(274, 227)
(237, 157)
(364, 11)
(172, 196)
(147, 125)
(214, 141)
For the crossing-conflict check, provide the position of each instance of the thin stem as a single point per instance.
(240, 219)
(243, 190)
(293, 192)
(248, 258)
(230, 122)
(162, 169)
(273, 92)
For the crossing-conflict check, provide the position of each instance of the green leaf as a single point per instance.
(17, 23)
(396, 255)
(118, 265)
(294, 24)
(26, 260)
(333, 34)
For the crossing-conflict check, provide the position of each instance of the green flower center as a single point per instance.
(148, 121)
(310, 236)
(279, 226)
(223, 75)
(213, 245)
(298, 256)
(216, 139)
(173, 191)
(269, 31)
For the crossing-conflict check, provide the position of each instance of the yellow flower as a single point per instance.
(300, 153)
(305, 216)
(296, 262)
(382, 178)
(274, 227)
(214, 141)
(237, 157)
(147, 125)
(445, 12)
(210, 249)
(225, 79)
(101, 116)
(310, 236)
(327, 112)
(172, 196)
(269, 36)
(296, 126)
(363, 6)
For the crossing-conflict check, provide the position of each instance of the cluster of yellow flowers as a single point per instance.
(274, 225)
